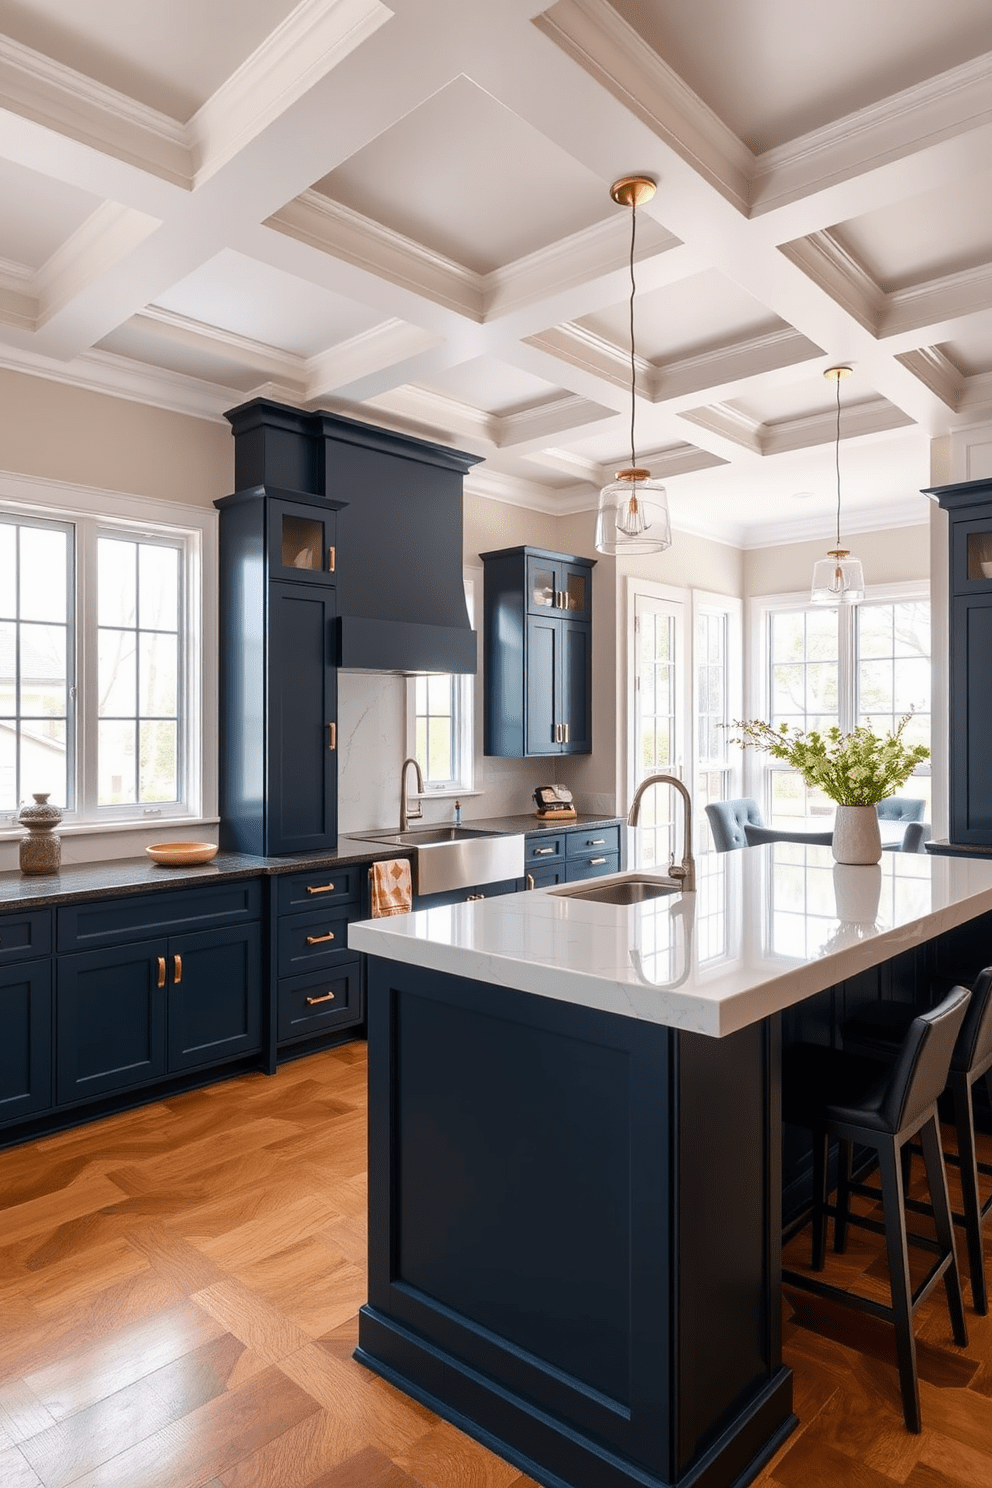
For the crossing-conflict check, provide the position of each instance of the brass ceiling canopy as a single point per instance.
(633, 191)
(836, 373)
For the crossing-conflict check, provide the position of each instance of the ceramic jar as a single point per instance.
(41, 850)
(856, 835)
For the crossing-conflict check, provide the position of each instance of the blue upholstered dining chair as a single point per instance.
(915, 835)
(901, 808)
(729, 818)
(755, 835)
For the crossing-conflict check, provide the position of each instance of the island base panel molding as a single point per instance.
(574, 1232)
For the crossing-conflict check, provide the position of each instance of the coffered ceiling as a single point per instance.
(401, 211)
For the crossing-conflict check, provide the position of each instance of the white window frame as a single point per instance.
(96, 513)
(730, 608)
(464, 730)
(757, 764)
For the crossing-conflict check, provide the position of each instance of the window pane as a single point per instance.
(439, 749)
(43, 574)
(8, 768)
(117, 679)
(116, 775)
(8, 669)
(116, 582)
(43, 679)
(8, 570)
(157, 773)
(43, 759)
(158, 586)
(439, 694)
(158, 674)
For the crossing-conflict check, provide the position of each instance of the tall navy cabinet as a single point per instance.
(538, 650)
(278, 694)
(969, 508)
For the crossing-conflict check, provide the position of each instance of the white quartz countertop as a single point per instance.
(766, 927)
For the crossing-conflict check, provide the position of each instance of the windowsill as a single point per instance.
(14, 832)
(448, 793)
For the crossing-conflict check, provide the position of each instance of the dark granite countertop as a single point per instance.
(139, 875)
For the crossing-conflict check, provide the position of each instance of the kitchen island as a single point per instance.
(575, 1152)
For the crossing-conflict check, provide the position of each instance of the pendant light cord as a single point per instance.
(837, 459)
(633, 287)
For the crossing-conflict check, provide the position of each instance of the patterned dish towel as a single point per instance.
(392, 888)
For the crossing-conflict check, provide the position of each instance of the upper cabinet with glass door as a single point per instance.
(558, 584)
(302, 540)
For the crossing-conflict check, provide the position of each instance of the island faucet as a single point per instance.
(685, 874)
(410, 813)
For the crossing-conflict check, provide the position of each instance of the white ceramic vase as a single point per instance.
(856, 835)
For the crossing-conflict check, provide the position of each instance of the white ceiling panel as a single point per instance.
(697, 314)
(774, 69)
(169, 56)
(923, 237)
(251, 299)
(970, 353)
(37, 214)
(190, 361)
(492, 387)
(468, 178)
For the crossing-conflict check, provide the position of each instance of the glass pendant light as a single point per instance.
(838, 579)
(633, 509)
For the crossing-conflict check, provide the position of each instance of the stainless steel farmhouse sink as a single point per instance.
(445, 859)
(628, 888)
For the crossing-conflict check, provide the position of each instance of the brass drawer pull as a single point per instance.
(332, 558)
(313, 1001)
(161, 972)
(332, 736)
(320, 888)
(596, 842)
(565, 728)
(530, 881)
(320, 939)
(544, 852)
(177, 969)
(469, 898)
(595, 862)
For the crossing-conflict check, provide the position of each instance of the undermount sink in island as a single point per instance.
(576, 1161)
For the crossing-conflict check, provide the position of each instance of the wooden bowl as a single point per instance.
(181, 854)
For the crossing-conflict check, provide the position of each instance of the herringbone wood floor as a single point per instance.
(179, 1289)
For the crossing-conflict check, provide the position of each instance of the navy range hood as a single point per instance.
(401, 599)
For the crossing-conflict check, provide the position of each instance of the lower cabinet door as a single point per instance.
(545, 878)
(320, 1003)
(215, 995)
(26, 1039)
(110, 1019)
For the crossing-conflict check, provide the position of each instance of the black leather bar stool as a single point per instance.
(836, 1094)
(878, 1033)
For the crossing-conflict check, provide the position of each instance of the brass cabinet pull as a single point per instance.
(530, 881)
(161, 971)
(313, 1001)
(558, 738)
(595, 862)
(565, 729)
(319, 939)
(177, 969)
(470, 897)
(543, 852)
(332, 736)
(596, 842)
(320, 888)
(332, 558)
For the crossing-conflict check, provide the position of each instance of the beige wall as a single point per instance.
(892, 556)
(68, 434)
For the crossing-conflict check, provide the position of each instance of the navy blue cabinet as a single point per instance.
(26, 1039)
(320, 984)
(110, 1019)
(215, 996)
(538, 650)
(969, 509)
(571, 854)
(278, 677)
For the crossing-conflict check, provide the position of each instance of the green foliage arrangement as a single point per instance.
(856, 769)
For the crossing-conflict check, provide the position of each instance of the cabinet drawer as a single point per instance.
(25, 936)
(104, 922)
(591, 865)
(545, 878)
(299, 892)
(543, 849)
(313, 940)
(593, 842)
(318, 1004)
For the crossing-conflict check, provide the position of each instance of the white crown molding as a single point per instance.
(18, 295)
(312, 40)
(593, 353)
(69, 103)
(384, 345)
(941, 107)
(493, 485)
(582, 470)
(544, 420)
(573, 260)
(122, 377)
(182, 330)
(913, 512)
(445, 418)
(595, 36)
(937, 372)
(734, 362)
(108, 235)
(871, 416)
(935, 300)
(322, 223)
(822, 259)
(976, 393)
(730, 424)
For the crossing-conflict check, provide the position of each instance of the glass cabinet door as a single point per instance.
(980, 555)
(575, 591)
(542, 584)
(301, 542)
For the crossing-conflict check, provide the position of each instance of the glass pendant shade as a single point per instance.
(633, 515)
(838, 579)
